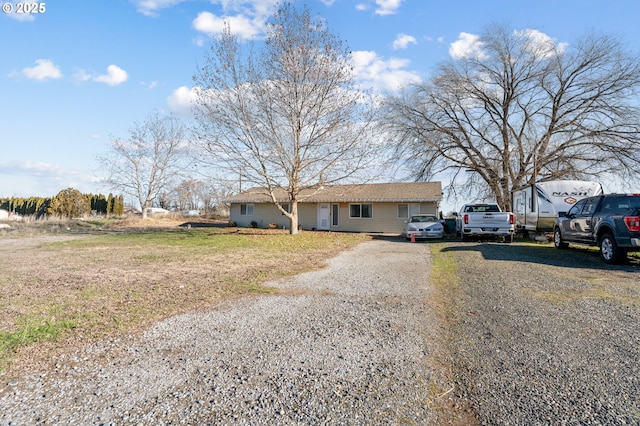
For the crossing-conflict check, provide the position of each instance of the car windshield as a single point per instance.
(423, 219)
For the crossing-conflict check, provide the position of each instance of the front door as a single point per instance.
(324, 216)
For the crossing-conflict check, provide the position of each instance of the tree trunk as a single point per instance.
(293, 218)
(144, 207)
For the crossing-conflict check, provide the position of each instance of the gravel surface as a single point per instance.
(542, 337)
(547, 337)
(349, 344)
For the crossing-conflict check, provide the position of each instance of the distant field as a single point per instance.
(66, 283)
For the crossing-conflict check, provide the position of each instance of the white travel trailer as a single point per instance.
(536, 206)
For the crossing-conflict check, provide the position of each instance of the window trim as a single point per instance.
(410, 212)
(247, 207)
(360, 210)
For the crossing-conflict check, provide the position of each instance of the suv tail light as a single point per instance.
(511, 219)
(633, 223)
(466, 219)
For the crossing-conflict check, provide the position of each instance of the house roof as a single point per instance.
(355, 193)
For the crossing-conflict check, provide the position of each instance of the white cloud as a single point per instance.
(181, 100)
(210, 24)
(246, 18)
(470, 46)
(402, 41)
(44, 69)
(362, 7)
(21, 17)
(80, 76)
(152, 7)
(150, 86)
(115, 76)
(467, 46)
(387, 7)
(40, 179)
(540, 43)
(382, 75)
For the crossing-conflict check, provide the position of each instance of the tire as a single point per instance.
(508, 239)
(558, 241)
(463, 237)
(609, 250)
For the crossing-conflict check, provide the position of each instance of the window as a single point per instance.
(246, 209)
(364, 211)
(576, 209)
(286, 207)
(589, 207)
(334, 214)
(407, 210)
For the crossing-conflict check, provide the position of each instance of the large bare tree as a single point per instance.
(518, 108)
(285, 116)
(149, 161)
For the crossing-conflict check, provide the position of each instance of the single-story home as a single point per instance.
(370, 208)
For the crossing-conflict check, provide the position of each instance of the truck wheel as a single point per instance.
(557, 240)
(463, 237)
(610, 251)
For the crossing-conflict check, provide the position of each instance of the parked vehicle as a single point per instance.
(537, 206)
(612, 222)
(423, 226)
(485, 220)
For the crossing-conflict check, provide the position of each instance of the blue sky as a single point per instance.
(83, 72)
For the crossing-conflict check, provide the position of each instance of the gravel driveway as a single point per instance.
(542, 337)
(349, 344)
(547, 336)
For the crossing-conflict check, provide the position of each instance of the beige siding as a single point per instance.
(385, 217)
(263, 215)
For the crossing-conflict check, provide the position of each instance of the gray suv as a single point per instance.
(611, 222)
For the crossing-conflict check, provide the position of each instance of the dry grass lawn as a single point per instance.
(64, 284)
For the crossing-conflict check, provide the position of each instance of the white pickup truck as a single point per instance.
(485, 220)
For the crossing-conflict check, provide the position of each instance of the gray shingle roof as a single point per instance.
(371, 192)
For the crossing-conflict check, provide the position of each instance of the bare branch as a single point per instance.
(524, 109)
(289, 116)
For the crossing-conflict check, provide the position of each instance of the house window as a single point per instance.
(286, 207)
(406, 210)
(335, 208)
(246, 209)
(360, 211)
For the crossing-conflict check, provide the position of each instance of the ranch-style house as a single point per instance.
(368, 208)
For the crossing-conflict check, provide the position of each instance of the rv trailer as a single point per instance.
(536, 206)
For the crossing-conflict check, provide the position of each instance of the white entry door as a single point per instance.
(323, 216)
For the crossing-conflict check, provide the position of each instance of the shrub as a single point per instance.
(231, 224)
(273, 226)
(253, 224)
(69, 203)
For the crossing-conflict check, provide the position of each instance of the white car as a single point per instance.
(423, 226)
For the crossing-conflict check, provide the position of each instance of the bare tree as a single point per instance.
(147, 163)
(287, 117)
(190, 194)
(522, 108)
(216, 194)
